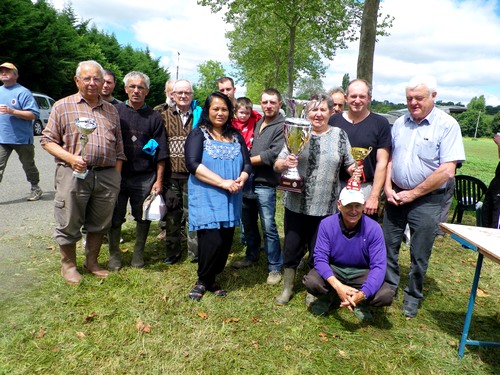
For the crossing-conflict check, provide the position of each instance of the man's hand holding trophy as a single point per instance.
(85, 126)
(296, 131)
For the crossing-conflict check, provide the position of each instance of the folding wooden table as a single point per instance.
(486, 241)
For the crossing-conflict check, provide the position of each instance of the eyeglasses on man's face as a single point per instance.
(183, 93)
(87, 80)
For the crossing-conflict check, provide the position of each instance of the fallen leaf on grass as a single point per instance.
(140, 326)
(90, 318)
(255, 344)
(256, 320)
(185, 354)
(80, 335)
(342, 353)
(231, 320)
(423, 328)
(481, 293)
(457, 280)
(203, 315)
(323, 334)
(164, 298)
(41, 332)
(51, 248)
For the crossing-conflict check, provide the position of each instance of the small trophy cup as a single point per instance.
(359, 154)
(86, 126)
(297, 132)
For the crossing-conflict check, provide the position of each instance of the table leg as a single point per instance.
(470, 307)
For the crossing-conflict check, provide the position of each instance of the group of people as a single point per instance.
(218, 167)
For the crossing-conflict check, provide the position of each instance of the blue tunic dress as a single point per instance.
(211, 207)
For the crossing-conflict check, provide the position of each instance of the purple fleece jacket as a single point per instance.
(366, 250)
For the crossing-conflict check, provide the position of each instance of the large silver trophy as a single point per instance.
(85, 126)
(297, 131)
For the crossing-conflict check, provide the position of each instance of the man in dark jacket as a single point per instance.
(267, 144)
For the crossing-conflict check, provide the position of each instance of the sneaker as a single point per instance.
(35, 194)
(243, 263)
(274, 277)
(363, 313)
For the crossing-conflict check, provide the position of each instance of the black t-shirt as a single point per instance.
(374, 131)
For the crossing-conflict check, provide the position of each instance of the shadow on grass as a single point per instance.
(483, 328)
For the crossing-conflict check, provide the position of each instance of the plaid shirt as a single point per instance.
(105, 144)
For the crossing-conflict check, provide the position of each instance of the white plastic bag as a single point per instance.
(154, 207)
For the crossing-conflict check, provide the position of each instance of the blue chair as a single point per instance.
(469, 193)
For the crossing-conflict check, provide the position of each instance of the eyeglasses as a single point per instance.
(181, 93)
(87, 80)
(133, 87)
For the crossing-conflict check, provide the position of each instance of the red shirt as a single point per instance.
(247, 128)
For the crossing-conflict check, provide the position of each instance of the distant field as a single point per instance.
(481, 159)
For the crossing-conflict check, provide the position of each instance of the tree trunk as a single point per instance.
(367, 40)
(291, 53)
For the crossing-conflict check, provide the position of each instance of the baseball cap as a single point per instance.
(348, 196)
(8, 65)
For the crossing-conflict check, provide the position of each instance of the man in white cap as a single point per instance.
(349, 260)
(18, 109)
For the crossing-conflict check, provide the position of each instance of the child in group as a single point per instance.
(245, 119)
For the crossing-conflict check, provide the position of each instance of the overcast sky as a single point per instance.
(458, 41)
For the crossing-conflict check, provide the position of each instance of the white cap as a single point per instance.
(348, 196)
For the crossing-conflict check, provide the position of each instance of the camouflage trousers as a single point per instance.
(176, 222)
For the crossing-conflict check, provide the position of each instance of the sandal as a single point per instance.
(217, 290)
(197, 292)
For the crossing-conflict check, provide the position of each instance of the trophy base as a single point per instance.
(79, 175)
(288, 184)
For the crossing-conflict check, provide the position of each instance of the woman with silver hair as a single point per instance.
(327, 152)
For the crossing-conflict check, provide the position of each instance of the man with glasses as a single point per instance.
(145, 147)
(85, 198)
(179, 120)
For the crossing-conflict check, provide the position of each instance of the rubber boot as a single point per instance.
(92, 249)
(115, 262)
(68, 264)
(288, 280)
(141, 235)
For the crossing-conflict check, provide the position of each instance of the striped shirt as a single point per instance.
(105, 144)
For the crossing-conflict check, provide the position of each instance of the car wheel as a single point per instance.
(37, 127)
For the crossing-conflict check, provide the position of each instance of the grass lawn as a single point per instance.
(141, 321)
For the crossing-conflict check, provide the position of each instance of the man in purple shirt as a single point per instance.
(349, 260)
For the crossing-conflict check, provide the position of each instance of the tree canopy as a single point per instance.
(46, 46)
(276, 42)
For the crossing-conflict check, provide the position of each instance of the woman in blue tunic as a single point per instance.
(219, 165)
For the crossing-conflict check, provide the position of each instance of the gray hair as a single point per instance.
(170, 82)
(135, 74)
(336, 90)
(88, 62)
(423, 80)
(318, 98)
(181, 81)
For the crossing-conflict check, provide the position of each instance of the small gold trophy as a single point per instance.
(297, 132)
(86, 126)
(359, 154)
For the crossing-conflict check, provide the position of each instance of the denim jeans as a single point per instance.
(263, 205)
